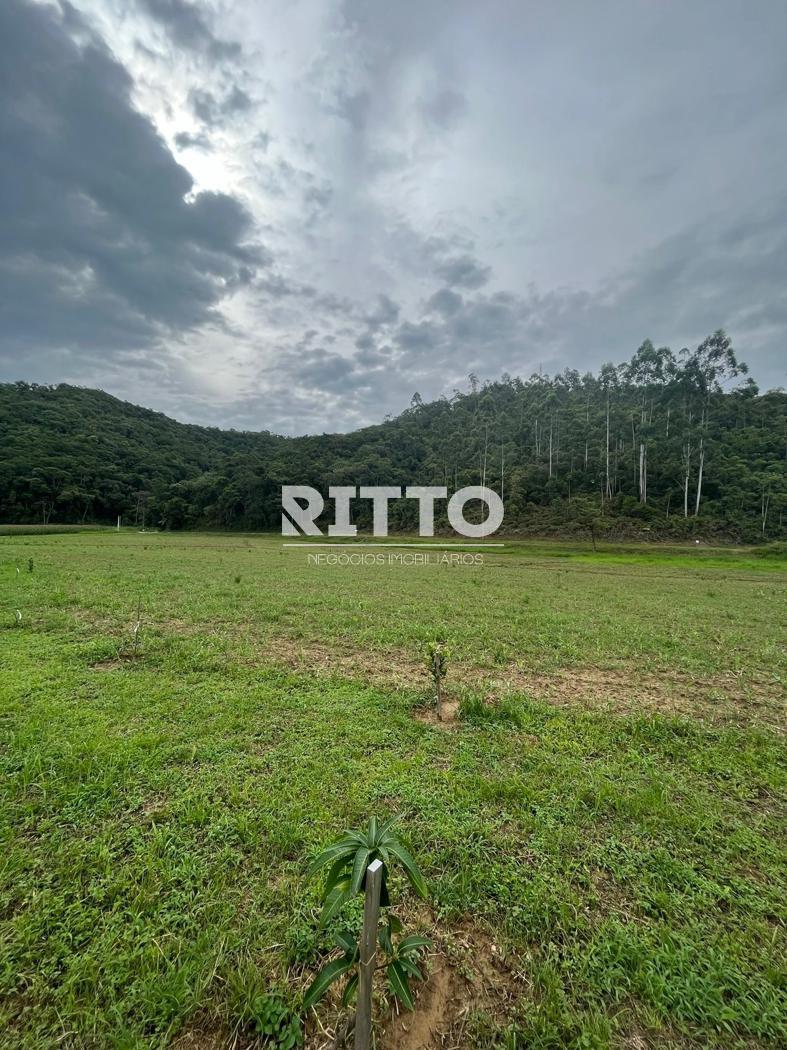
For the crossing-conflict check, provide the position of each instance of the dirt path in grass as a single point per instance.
(741, 699)
(751, 698)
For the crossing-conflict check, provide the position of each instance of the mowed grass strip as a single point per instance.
(158, 811)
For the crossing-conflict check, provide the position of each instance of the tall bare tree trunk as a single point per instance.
(557, 444)
(643, 454)
(699, 477)
(644, 473)
(608, 489)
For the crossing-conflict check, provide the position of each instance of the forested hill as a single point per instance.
(663, 445)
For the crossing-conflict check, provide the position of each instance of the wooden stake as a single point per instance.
(371, 916)
(439, 683)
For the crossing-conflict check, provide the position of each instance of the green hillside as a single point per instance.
(671, 445)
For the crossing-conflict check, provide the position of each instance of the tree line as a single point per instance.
(669, 444)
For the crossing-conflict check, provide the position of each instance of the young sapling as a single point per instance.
(437, 664)
(350, 862)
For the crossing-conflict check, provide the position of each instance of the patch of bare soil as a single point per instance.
(196, 1040)
(448, 718)
(627, 690)
(437, 1011)
(732, 697)
(211, 1037)
(667, 1039)
(153, 809)
(622, 690)
(468, 972)
(380, 667)
(112, 663)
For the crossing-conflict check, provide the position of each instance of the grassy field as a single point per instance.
(601, 820)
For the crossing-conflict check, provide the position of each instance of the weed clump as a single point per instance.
(475, 710)
(268, 1013)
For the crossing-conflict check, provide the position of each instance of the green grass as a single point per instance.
(48, 530)
(158, 812)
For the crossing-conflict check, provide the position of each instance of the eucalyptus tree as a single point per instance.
(706, 370)
(609, 381)
(648, 371)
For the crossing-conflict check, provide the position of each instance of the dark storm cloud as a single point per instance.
(445, 302)
(731, 273)
(316, 368)
(187, 27)
(187, 140)
(372, 359)
(419, 338)
(684, 289)
(354, 108)
(463, 271)
(213, 111)
(385, 312)
(318, 196)
(443, 108)
(102, 247)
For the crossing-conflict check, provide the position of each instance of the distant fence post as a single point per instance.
(371, 915)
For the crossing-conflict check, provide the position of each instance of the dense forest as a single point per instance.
(664, 445)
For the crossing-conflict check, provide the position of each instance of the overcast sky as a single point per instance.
(292, 214)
